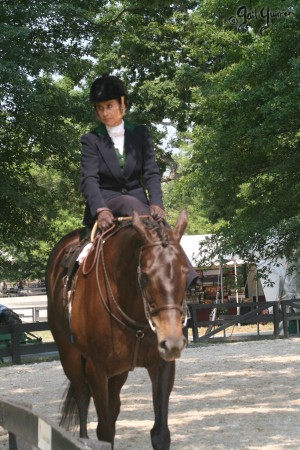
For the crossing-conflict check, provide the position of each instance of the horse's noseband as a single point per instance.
(151, 312)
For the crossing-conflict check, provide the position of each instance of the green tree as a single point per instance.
(50, 52)
(246, 141)
(228, 85)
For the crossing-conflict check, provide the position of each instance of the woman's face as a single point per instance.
(110, 112)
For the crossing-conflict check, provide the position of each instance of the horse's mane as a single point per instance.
(151, 224)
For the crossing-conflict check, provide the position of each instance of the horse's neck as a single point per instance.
(124, 261)
(128, 246)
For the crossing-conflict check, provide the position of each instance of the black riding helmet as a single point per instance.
(106, 88)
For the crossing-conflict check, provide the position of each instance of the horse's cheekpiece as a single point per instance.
(134, 276)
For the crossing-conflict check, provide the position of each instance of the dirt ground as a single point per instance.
(235, 396)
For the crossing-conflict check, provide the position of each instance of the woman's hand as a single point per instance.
(105, 218)
(157, 213)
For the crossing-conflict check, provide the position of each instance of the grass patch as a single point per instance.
(45, 335)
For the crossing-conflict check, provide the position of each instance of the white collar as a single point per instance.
(117, 131)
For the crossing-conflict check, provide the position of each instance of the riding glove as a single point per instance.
(157, 213)
(105, 218)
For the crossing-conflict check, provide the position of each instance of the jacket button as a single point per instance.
(124, 191)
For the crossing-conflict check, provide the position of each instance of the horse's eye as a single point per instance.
(144, 279)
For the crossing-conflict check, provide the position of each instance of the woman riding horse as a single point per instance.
(127, 303)
(118, 163)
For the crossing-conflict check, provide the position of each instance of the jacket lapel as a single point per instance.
(107, 150)
(130, 148)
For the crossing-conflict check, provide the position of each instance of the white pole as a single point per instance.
(236, 280)
(256, 295)
(236, 288)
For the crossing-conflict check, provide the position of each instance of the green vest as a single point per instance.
(121, 158)
(102, 131)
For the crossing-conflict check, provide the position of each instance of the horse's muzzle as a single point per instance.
(171, 349)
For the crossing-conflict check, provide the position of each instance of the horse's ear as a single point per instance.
(181, 225)
(139, 226)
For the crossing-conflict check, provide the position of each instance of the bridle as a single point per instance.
(149, 311)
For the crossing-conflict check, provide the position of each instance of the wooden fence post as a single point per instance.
(276, 318)
(27, 430)
(16, 332)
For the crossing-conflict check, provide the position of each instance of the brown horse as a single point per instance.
(136, 272)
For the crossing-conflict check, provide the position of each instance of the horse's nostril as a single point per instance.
(163, 345)
(171, 349)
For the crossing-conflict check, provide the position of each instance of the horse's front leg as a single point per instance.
(106, 396)
(162, 376)
(114, 388)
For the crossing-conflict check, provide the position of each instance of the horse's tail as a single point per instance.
(69, 410)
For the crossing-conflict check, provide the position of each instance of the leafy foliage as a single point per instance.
(246, 149)
(225, 77)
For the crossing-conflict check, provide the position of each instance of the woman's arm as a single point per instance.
(150, 171)
(90, 174)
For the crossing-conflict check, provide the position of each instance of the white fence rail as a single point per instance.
(30, 309)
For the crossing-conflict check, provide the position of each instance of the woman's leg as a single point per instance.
(124, 205)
